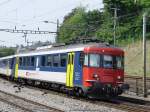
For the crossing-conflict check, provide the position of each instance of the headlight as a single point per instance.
(95, 75)
(118, 77)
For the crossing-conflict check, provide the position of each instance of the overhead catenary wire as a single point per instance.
(127, 15)
(80, 25)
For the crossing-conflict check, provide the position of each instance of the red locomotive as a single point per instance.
(103, 71)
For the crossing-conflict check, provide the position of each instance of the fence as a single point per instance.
(136, 84)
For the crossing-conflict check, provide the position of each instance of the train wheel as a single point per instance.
(31, 82)
(45, 85)
(79, 92)
(21, 81)
(62, 89)
(76, 93)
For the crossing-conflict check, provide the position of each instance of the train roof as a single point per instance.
(60, 49)
(7, 57)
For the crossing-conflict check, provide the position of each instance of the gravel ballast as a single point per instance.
(4, 107)
(53, 100)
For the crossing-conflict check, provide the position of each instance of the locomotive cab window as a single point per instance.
(94, 60)
(119, 62)
(108, 61)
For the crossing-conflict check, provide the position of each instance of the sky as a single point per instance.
(30, 14)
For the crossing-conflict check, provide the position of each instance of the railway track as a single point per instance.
(125, 105)
(121, 103)
(25, 104)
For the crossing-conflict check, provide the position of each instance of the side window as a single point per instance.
(32, 61)
(6, 63)
(56, 60)
(43, 59)
(63, 60)
(20, 61)
(81, 59)
(86, 60)
(49, 60)
(24, 61)
(0, 63)
(28, 61)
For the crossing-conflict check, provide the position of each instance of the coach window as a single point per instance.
(86, 60)
(56, 60)
(25, 61)
(28, 61)
(63, 60)
(32, 61)
(49, 60)
(43, 59)
(20, 61)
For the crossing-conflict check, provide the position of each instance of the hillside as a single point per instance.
(134, 59)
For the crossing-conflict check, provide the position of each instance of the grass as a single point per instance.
(134, 59)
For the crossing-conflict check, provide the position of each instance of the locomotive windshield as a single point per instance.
(105, 61)
(94, 60)
(108, 61)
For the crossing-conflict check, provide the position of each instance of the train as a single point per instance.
(93, 69)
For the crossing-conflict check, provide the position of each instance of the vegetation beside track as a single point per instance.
(6, 51)
(134, 59)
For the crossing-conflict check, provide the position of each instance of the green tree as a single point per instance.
(73, 25)
(6, 51)
(83, 23)
(80, 23)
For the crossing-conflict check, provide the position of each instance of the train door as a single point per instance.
(78, 68)
(70, 70)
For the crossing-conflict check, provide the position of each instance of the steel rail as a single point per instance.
(30, 102)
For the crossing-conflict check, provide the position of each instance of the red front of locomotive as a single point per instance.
(103, 71)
